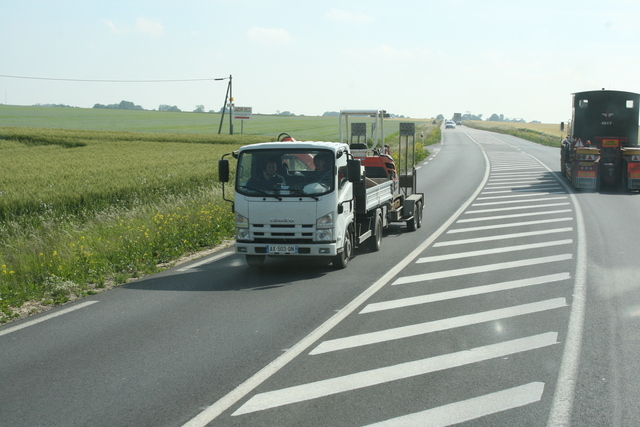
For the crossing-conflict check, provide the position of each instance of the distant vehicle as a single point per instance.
(602, 144)
(458, 123)
(450, 125)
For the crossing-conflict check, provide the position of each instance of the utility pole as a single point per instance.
(227, 97)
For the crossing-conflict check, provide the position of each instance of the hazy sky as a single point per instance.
(418, 58)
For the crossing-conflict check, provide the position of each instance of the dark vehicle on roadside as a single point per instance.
(601, 147)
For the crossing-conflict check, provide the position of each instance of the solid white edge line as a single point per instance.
(45, 317)
(213, 411)
(206, 261)
(562, 406)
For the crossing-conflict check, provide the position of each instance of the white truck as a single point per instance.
(304, 210)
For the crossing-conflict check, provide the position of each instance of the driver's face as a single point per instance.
(271, 168)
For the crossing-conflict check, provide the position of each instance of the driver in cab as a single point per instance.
(268, 178)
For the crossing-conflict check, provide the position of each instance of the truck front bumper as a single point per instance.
(278, 249)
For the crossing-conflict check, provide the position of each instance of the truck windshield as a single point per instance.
(283, 173)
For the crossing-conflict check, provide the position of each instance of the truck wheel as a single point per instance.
(341, 260)
(376, 240)
(255, 260)
(416, 222)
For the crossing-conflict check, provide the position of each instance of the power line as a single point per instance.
(108, 81)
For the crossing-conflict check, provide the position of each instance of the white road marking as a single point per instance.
(509, 202)
(212, 412)
(520, 215)
(547, 205)
(493, 251)
(10, 329)
(502, 237)
(461, 293)
(481, 269)
(470, 409)
(436, 326)
(206, 261)
(508, 225)
(314, 390)
(516, 196)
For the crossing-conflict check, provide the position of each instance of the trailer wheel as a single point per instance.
(376, 240)
(416, 222)
(255, 260)
(341, 260)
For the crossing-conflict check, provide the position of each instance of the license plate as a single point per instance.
(282, 249)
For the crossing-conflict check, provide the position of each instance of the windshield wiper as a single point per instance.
(264, 193)
(299, 192)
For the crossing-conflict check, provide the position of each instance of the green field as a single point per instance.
(542, 133)
(90, 198)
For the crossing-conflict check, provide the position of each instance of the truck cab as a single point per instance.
(306, 214)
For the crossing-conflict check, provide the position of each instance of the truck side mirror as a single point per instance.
(354, 171)
(223, 170)
(561, 126)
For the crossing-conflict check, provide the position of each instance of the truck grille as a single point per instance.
(285, 233)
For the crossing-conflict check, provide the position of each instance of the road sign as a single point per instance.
(242, 113)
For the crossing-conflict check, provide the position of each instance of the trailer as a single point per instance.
(314, 198)
(601, 147)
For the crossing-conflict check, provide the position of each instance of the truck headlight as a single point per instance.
(241, 222)
(242, 234)
(325, 221)
(324, 235)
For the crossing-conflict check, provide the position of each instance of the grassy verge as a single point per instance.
(541, 133)
(80, 210)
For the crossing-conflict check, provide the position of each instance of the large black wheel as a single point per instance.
(341, 260)
(255, 260)
(416, 222)
(375, 241)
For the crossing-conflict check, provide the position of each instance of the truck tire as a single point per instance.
(416, 222)
(341, 260)
(255, 260)
(375, 241)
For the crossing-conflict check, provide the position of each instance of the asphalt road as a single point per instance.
(516, 303)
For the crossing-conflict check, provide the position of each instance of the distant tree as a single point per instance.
(199, 109)
(286, 113)
(439, 117)
(165, 107)
(494, 118)
(331, 114)
(469, 116)
(128, 105)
